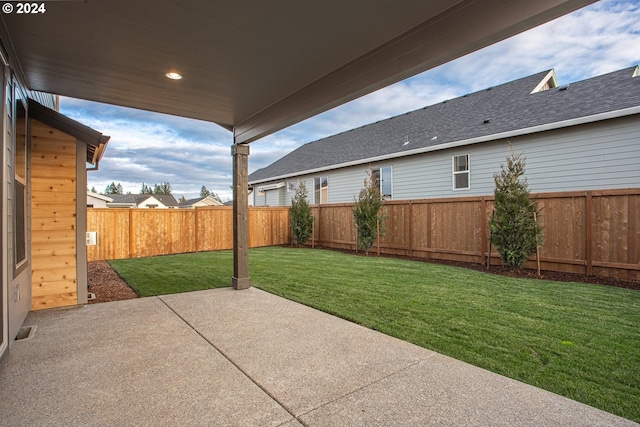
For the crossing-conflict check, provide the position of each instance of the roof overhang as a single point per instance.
(96, 142)
(252, 66)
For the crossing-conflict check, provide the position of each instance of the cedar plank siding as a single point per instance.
(53, 209)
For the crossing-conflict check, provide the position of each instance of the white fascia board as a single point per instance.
(121, 205)
(494, 137)
(99, 196)
(271, 186)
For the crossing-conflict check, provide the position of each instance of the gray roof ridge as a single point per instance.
(510, 106)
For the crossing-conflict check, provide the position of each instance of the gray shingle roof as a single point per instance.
(166, 199)
(510, 107)
(190, 202)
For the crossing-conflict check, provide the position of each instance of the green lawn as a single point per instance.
(578, 340)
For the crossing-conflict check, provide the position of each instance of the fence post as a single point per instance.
(131, 229)
(195, 226)
(378, 235)
(535, 219)
(428, 205)
(410, 228)
(483, 230)
(318, 224)
(589, 230)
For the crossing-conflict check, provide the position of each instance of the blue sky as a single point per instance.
(153, 148)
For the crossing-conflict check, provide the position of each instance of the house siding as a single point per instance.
(275, 197)
(54, 227)
(596, 156)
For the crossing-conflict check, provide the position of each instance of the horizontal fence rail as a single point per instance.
(134, 233)
(588, 232)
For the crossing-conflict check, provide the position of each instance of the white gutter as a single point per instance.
(271, 186)
(493, 137)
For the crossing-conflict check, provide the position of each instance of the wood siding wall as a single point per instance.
(593, 232)
(53, 217)
(133, 233)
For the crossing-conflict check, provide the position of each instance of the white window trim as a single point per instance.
(454, 173)
(379, 169)
(292, 186)
(318, 202)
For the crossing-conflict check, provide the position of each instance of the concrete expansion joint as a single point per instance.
(238, 367)
(355, 390)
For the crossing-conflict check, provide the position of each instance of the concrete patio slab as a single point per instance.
(248, 358)
(126, 363)
(304, 357)
(446, 392)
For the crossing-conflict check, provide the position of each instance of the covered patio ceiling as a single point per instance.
(251, 66)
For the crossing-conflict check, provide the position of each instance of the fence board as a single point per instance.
(133, 233)
(597, 231)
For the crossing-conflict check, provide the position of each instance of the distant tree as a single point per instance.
(300, 217)
(367, 214)
(204, 192)
(182, 199)
(93, 190)
(145, 189)
(513, 229)
(162, 188)
(113, 189)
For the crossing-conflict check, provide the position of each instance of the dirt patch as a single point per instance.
(105, 283)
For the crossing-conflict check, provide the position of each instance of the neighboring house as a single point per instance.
(96, 200)
(145, 201)
(582, 136)
(200, 202)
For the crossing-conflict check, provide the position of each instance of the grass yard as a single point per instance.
(578, 340)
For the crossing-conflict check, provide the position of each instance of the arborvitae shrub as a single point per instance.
(300, 217)
(367, 215)
(513, 228)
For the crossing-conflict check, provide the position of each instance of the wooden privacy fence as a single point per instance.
(133, 233)
(593, 232)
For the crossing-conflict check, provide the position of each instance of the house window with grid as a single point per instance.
(461, 175)
(382, 179)
(321, 187)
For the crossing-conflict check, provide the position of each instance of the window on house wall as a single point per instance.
(461, 176)
(292, 186)
(382, 179)
(321, 193)
(19, 181)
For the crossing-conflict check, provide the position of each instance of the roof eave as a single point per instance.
(81, 132)
(493, 137)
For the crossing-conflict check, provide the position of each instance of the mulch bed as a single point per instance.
(105, 283)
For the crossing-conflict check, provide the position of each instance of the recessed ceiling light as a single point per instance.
(173, 75)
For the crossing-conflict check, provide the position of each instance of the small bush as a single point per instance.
(513, 229)
(367, 215)
(300, 217)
